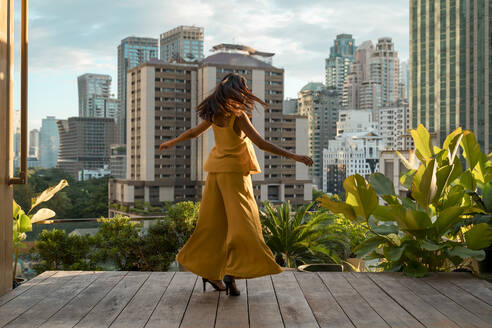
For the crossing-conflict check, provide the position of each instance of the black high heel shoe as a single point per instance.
(215, 286)
(231, 286)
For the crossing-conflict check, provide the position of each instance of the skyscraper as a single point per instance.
(385, 70)
(183, 43)
(49, 143)
(132, 52)
(91, 86)
(337, 66)
(321, 106)
(450, 67)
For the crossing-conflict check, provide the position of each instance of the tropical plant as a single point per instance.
(434, 228)
(301, 237)
(22, 221)
(183, 216)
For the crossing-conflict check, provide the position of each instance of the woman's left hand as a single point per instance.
(166, 145)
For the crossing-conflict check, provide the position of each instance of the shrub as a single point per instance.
(442, 225)
(184, 216)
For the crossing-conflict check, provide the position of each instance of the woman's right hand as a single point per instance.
(303, 159)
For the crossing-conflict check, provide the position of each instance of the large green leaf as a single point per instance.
(360, 195)
(464, 253)
(471, 148)
(479, 236)
(423, 144)
(42, 214)
(24, 223)
(369, 245)
(447, 219)
(467, 180)
(407, 177)
(452, 142)
(16, 209)
(454, 197)
(381, 184)
(48, 193)
(487, 196)
(424, 184)
(442, 178)
(430, 245)
(385, 229)
(393, 253)
(413, 221)
(338, 207)
(383, 213)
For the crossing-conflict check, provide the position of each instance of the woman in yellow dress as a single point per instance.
(227, 242)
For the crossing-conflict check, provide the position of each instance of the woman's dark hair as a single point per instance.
(231, 96)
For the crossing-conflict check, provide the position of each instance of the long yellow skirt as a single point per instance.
(228, 239)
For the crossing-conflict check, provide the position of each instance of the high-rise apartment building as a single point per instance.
(162, 101)
(337, 66)
(321, 106)
(385, 70)
(34, 143)
(290, 106)
(94, 89)
(85, 143)
(132, 51)
(49, 142)
(183, 43)
(450, 67)
(393, 126)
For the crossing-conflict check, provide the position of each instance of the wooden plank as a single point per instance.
(25, 286)
(423, 311)
(392, 313)
(324, 306)
(444, 304)
(357, 309)
(293, 306)
(263, 307)
(78, 307)
(53, 301)
(172, 306)
(233, 310)
(6, 135)
(138, 311)
(103, 314)
(479, 288)
(462, 297)
(24, 302)
(201, 309)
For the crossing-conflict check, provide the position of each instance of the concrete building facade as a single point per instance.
(85, 143)
(95, 96)
(162, 98)
(132, 51)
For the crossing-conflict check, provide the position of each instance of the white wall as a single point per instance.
(147, 124)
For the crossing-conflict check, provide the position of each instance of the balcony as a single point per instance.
(289, 299)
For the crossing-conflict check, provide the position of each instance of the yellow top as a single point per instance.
(231, 153)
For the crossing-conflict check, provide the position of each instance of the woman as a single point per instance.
(227, 242)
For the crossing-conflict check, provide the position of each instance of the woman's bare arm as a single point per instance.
(188, 134)
(247, 127)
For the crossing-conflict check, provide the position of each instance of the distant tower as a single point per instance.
(385, 70)
(132, 52)
(49, 142)
(183, 43)
(94, 96)
(337, 66)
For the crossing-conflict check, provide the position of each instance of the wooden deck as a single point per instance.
(290, 299)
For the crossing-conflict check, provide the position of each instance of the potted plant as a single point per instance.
(22, 222)
(441, 225)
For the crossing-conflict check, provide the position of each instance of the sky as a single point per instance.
(70, 38)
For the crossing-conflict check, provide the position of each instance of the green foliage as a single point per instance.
(55, 250)
(183, 216)
(23, 221)
(80, 199)
(445, 223)
(301, 237)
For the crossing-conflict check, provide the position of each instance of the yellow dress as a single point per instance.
(228, 239)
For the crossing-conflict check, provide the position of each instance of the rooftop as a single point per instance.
(289, 299)
(235, 59)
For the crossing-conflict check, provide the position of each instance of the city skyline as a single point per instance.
(289, 29)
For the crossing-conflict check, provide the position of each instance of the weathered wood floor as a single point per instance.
(290, 299)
